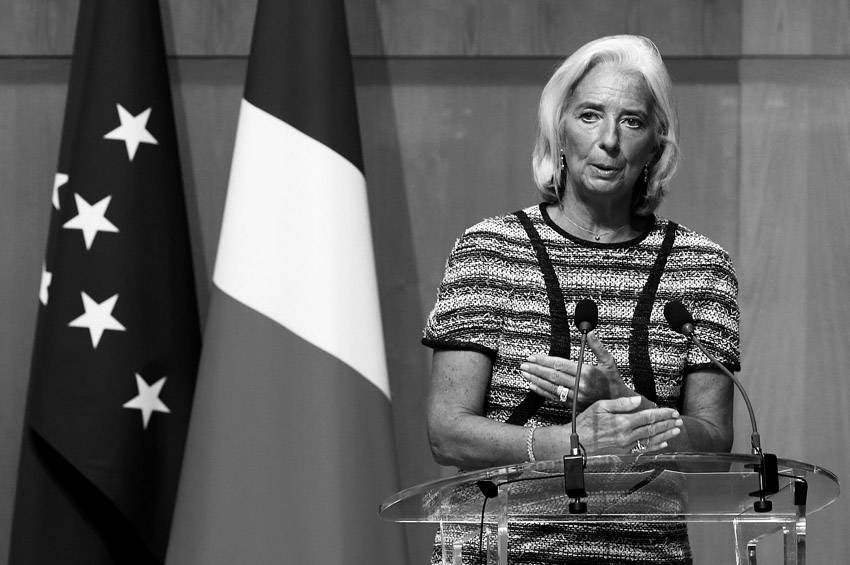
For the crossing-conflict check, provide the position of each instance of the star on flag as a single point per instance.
(46, 279)
(148, 399)
(133, 130)
(97, 318)
(90, 218)
(59, 180)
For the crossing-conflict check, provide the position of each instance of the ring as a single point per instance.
(562, 392)
(639, 447)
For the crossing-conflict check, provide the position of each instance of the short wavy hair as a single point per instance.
(633, 52)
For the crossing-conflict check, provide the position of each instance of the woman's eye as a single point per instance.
(634, 123)
(587, 116)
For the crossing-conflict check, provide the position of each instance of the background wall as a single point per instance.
(447, 92)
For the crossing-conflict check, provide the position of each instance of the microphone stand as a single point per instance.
(767, 467)
(575, 461)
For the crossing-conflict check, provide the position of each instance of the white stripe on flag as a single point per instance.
(296, 242)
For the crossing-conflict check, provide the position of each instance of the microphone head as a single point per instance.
(587, 315)
(678, 317)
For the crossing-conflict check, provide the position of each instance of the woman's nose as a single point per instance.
(609, 136)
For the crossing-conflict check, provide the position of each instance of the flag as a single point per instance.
(117, 339)
(290, 450)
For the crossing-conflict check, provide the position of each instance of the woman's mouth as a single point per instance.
(605, 171)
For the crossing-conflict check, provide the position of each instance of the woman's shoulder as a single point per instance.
(497, 232)
(503, 223)
(692, 245)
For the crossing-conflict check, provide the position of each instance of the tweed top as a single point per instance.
(510, 289)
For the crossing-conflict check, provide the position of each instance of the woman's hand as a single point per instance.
(598, 382)
(613, 426)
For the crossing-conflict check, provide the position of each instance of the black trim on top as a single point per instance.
(651, 221)
(559, 343)
(444, 344)
(639, 360)
(733, 367)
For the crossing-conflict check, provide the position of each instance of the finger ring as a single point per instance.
(562, 392)
(639, 447)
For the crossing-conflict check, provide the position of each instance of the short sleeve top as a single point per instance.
(495, 299)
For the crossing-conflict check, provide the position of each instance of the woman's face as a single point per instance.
(609, 132)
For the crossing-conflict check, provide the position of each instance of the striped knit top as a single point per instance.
(510, 289)
(495, 298)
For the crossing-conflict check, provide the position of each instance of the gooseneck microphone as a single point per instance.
(586, 318)
(681, 321)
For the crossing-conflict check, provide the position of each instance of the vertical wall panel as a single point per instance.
(208, 27)
(796, 27)
(692, 27)
(704, 193)
(207, 95)
(794, 204)
(37, 27)
(827, 289)
(465, 129)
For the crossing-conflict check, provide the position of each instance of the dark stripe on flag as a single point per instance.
(288, 454)
(300, 71)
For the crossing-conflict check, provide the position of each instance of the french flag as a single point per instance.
(290, 447)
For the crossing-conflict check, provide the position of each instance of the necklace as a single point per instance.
(596, 235)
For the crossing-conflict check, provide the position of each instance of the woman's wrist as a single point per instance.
(529, 444)
(645, 403)
(549, 442)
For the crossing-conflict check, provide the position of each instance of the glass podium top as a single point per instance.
(677, 487)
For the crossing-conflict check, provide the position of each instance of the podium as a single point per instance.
(647, 487)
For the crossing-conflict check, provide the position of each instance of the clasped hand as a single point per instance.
(608, 417)
(598, 382)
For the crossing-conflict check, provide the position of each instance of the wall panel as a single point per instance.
(704, 193)
(207, 94)
(37, 27)
(794, 268)
(827, 266)
(796, 27)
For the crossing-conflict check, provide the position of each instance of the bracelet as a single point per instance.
(529, 443)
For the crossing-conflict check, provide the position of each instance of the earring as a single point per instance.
(646, 175)
(563, 184)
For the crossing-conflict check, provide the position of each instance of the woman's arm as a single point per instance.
(458, 432)
(462, 436)
(707, 401)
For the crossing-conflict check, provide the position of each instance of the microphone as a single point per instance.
(681, 321)
(586, 317)
(678, 317)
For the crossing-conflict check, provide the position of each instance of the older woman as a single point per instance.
(504, 351)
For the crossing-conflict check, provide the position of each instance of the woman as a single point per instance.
(502, 330)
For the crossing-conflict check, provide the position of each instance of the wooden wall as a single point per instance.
(447, 92)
